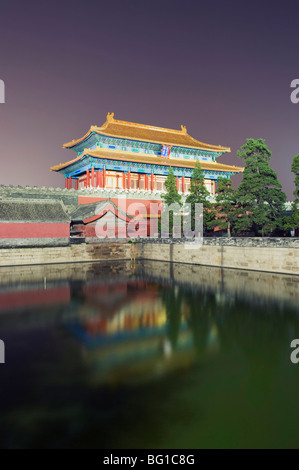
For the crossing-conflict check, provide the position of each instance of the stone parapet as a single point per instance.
(273, 258)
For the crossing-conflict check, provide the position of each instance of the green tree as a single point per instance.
(291, 222)
(200, 195)
(295, 170)
(172, 196)
(226, 204)
(260, 195)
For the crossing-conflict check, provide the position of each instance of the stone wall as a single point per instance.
(67, 254)
(260, 254)
(270, 242)
(281, 256)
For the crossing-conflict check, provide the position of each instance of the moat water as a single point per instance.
(147, 355)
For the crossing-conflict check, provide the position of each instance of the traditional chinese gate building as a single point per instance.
(125, 156)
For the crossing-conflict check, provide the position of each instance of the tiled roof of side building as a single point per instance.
(32, 210)
(142, 132)
(87, 211)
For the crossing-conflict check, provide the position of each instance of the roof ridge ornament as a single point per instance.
(183, 129)
(110, 117)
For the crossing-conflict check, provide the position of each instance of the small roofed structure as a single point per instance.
(33, 222)
(101, 219)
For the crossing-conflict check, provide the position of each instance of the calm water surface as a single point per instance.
(150, 355)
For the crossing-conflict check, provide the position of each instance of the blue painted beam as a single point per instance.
(87, 162)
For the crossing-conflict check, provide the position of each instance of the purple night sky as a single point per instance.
(222, 68)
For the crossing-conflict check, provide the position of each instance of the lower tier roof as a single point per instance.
(148, 159)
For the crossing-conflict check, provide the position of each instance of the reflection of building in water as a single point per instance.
(128, 329)
(37, 296)
(121, 310)
(127, 338)
(140, 354)
(123, 307)
(130, 318)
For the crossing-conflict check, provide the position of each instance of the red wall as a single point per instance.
(34, 230)
(89, 230)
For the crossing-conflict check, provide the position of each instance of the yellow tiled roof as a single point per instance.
(145, 158)
(160, 135)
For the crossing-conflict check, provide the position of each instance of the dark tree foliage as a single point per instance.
(295, 170)
(200, 195)
(260, 196)
(226, 205)
(291, 222)
(172, 195)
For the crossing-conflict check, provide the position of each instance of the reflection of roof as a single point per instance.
(110, 300)
(95, 210)
(133, 131)
(145, 158)
(124, 338)
(32, 210)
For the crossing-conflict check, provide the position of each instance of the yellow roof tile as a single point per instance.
(142, 132)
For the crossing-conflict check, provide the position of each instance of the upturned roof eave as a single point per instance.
(104, 130)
